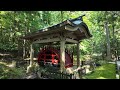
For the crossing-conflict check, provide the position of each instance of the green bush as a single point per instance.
(102, 62)
(11, 73)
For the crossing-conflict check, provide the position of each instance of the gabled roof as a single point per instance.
(76, 25)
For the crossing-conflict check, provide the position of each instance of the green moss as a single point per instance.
(106, 71)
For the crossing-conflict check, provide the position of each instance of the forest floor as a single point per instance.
(7, 72)
(11, 66)
(106, 71)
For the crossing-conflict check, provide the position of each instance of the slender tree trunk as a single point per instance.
(78, 54)
(108, 41)
(114, 49)
(62, 16)
(113, 32)
(24, 49)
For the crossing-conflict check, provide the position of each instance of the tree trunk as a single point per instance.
(24, 49)
(114, 46)
(62, 16)
(29, 68)
(108, 41)
(78, 53)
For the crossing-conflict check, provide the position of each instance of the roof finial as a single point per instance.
(81, 17)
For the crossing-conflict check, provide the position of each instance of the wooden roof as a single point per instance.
(73, 27)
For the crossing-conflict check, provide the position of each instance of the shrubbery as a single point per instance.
(11, 73)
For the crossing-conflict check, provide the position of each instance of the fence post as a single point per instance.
(80, 73)
(70, 76)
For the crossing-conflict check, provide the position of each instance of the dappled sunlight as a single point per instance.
(101, 68)
(6, 70)
(1, 54)
(10, 73)
(101, 78)
(93, 43)
(3, 63)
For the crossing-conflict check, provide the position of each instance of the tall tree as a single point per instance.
(107, 41)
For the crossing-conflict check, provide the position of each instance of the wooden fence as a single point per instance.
(56, 75)
(50, 72)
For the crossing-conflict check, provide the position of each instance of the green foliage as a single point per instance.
(14, 24)
(11, 73)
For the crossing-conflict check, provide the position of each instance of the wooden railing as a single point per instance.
(56, 75)
(50, 72)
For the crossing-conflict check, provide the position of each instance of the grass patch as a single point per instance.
(106, 71)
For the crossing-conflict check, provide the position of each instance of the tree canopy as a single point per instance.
(14, 24)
